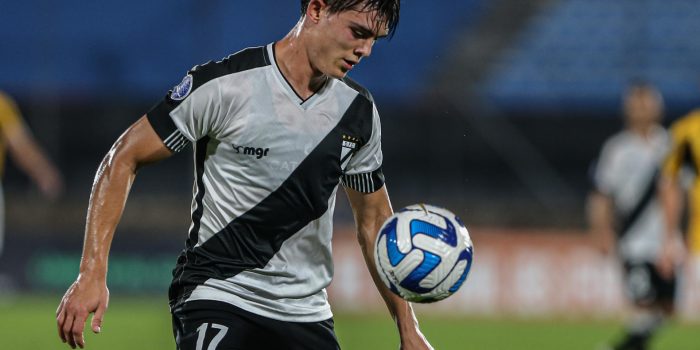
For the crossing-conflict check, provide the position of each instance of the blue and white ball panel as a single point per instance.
(422, 261)
(464, 265)
(392, 257)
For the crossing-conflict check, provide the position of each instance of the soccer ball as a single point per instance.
(423, 253)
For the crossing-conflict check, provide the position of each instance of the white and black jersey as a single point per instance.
(267, 167)
(627, 171)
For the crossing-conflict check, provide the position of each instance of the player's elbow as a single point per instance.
(119, 159)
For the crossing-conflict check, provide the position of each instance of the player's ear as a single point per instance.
(315, 9)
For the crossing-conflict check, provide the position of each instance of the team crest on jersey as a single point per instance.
(182, 90)
(350, 146)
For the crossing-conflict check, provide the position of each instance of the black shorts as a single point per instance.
(644, 285)
(214, 325)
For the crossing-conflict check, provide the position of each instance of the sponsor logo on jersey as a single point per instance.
(258, 152)
(182, 90)
(349, 148)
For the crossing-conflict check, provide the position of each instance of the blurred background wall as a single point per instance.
(493, 108)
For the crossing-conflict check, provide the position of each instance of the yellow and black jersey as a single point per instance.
(685, 150)
(9, 119)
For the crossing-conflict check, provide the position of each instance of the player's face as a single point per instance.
(643, 105)
(342, 39)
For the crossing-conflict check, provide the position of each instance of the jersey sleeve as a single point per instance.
(190, 110)
(364, 170)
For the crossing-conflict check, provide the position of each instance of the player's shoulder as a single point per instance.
(5, 99)
(243, 60)
(686, 127)
(352, 84)
(658, 132)
(4, 96)
(690, 120)
(9, 113)
(199, 75)
(618, 140)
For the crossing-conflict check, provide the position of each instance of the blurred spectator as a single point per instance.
(16, 138)
(624, 212)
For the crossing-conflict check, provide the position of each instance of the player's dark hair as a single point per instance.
(639, 83)
(387, 10)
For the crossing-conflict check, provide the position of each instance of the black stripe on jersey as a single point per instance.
(626, 221)
(252, 239)
(365, 182)
(359, 88)
(250, 58)
(193, 237)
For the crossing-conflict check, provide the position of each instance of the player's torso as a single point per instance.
(636, 161)
(267, 173)
(266, 136)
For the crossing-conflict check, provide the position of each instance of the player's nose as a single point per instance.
(365, 49)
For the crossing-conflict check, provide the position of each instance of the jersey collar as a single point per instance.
(287, 87)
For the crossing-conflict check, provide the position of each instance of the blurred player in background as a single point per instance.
(275, 130)
(625, 215)
(680, 172)
(16, 139)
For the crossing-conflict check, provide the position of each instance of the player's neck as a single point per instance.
(644, 130)
(294, 63)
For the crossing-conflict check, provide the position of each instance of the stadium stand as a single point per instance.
(139, 49)
(582, 52)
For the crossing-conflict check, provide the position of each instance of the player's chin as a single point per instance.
(338, 72)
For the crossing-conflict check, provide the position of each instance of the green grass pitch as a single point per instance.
(28, 322)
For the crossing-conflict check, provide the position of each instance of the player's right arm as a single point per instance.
(600, 207)
(138, 146)
(600, 221)
(29, 157)
(25, 151)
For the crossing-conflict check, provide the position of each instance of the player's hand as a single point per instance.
(85, 296)
(672, 253)
(604, 242)
(414, 341)
(51, 185)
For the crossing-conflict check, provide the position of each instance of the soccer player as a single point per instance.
(16, 138)
(275, 130)
(624, 212)
(684, 154)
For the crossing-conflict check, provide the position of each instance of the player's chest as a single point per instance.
(278, 137)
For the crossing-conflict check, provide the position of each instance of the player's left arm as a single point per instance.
(600, 213)
(29, 156)
(370, 211)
